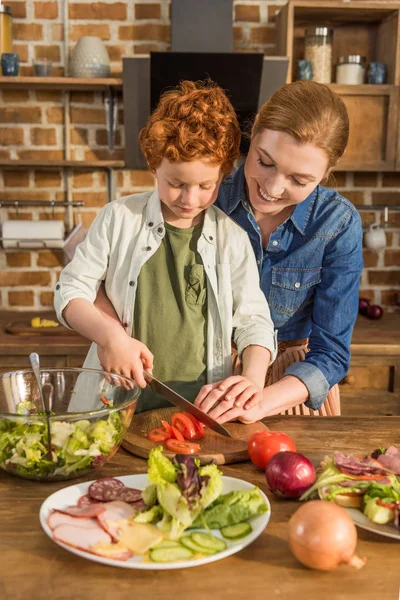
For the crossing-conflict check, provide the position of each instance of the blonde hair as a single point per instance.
(311, 113)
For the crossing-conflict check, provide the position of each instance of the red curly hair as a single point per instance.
(193, 121)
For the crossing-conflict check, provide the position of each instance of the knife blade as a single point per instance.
(181, 402)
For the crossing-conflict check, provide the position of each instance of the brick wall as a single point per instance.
(31, 127)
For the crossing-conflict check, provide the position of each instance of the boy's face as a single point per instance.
(186, 189)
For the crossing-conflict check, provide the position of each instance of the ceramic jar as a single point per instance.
(89, 58)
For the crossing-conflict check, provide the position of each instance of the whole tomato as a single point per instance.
(262, 446)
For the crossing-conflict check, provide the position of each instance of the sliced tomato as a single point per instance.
(159, 434)
(176, 434)
(184, 425)
(166, 426)
(364, 477)
(391, 505)
(181, 447)
(199, 426)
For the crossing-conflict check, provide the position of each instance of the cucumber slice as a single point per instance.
(189, 543)
(208, 541)
(167, 544)
(236, 532)
(172, 554)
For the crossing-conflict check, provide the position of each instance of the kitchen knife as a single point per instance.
(181, 402)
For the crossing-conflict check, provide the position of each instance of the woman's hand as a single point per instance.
(125, 356)
(228, 399)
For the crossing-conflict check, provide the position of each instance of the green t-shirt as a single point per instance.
(170, 315)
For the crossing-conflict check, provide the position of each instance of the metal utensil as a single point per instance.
(181, 402)
(47, 389)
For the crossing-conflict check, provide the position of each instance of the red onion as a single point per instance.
(289, 474)
(374, 312)
(363, 304)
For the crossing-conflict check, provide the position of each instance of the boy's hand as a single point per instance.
(126, 356)
(232, 397)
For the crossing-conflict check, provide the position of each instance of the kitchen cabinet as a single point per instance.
(370, 29)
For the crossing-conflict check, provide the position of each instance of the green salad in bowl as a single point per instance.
(91, 411)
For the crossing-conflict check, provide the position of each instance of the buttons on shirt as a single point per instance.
(151, 224)
(210, 237)
(160, 230)
(258, 261)
(57, 286)
(275, 243)
(126, 325)
(148, 248)
(297, 285)
(132, 283)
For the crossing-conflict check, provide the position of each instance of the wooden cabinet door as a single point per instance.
(373, 115)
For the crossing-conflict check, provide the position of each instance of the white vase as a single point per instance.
(89, 58)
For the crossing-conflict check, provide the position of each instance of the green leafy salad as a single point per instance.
(184, 495)
(76, 446)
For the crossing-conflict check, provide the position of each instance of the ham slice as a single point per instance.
(82, 538)
(354, 465)
(58, 518)
(391, 459)
(115, 511)
(87, 511)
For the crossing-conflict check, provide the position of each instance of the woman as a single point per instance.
(308, 244)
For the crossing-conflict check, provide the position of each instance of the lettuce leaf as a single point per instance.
(232, 508)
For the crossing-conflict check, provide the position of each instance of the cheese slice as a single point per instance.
(137, 537)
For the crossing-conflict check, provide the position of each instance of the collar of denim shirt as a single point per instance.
(299, 217)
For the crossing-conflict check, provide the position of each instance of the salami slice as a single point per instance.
(129, 495)
(85, 500)
(102, 489)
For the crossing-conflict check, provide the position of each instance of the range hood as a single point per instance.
(201, 47)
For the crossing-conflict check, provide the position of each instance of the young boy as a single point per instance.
(180, 275)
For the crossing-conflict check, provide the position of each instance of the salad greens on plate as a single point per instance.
(182, 494)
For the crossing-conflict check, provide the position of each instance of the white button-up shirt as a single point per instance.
(127, 232)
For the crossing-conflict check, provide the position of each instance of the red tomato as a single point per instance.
(262, 446)
(391, 505)
(199, 426)
(181, 447)
(166, 426)
(184, 425)
(159, 434)
(176, 434)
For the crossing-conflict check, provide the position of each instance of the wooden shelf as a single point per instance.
(60, 83)
(56, 164)
(362, 90)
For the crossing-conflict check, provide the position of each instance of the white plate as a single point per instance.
(70, 495)
(362, 521)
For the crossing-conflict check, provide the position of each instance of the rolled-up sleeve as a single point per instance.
(252, 321)
(335, 311)
(81, 278)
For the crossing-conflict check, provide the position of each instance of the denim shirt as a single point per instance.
(310, 274)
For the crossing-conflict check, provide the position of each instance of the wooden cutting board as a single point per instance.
(214, 447)
(25, 328)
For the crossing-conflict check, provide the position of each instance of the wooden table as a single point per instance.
(32, 566)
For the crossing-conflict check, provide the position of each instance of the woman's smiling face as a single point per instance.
(280, 172)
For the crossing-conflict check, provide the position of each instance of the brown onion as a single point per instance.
(322, 536)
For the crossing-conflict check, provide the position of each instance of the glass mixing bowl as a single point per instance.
(91, 411)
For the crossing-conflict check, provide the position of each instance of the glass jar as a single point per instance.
(5, 29)
(318, 51)
(350, 69)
